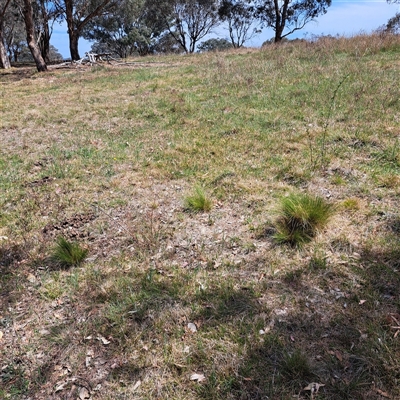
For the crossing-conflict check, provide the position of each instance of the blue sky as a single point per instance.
(343, 17)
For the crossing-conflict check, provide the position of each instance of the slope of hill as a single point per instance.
(176, 303)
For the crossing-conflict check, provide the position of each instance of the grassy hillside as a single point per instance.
(148, 226)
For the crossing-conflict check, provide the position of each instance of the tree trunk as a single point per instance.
(44, 42)
(30, 36)
(73, 45)
(280, 19)
(73, 34)
(278, 36)
(4, 60)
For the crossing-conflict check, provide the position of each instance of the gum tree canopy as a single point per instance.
(187, 21)
(288, 16)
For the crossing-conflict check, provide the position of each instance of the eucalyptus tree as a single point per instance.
(4, 14)
(241, 20)
(288, 16)
(393, 25)
(127, 30)
(14, 33)
(77, 14)
(45, 15)
(215, 44)
(187, 21)
(27, 12)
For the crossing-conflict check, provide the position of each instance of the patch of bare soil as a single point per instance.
(74, 227)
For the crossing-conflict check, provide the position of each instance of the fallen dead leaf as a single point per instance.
(1, 335)
(58, 316)
(137, 384)
(60, 387)
(31, 278)
(84, 394)
(197, 377)
(362, 302)
(89, 355)
(313, 387)
(382, 393)
(103, 340)
(337, 354)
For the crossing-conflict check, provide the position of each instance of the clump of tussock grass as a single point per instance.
(300, 216)
(68, 254)
(198, 201)
(295, 366)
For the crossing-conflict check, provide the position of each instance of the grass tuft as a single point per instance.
(300, 217)
(68, 254)
(295, 366)
(198, 201)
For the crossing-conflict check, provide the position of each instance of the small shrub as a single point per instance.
(198, 201)
(68, 254)
(300, 216)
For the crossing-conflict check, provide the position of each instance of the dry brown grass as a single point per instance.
(105, 156)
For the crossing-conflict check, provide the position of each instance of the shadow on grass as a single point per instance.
(11, 257)
(225, 303)
(351, 349)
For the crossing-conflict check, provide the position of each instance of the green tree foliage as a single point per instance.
(288, 16)
(240, 19)
(215, 45)
(187, 21)
(129, 29)
(393, 25)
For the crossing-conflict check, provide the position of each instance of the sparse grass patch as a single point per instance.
(300, 217)
(198, 201)
(351, 204)
(318, 262)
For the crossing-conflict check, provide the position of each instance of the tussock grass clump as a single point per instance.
(68, 254)
(300, 217)
(295, 365)
(198, 201)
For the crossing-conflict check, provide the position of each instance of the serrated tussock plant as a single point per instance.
(300, 216)
(198, 201)
(68, 254)
(295, 365)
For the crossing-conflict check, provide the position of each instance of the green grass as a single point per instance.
(300, 216)
(198, 201)
(67, 253)
(105, 158)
